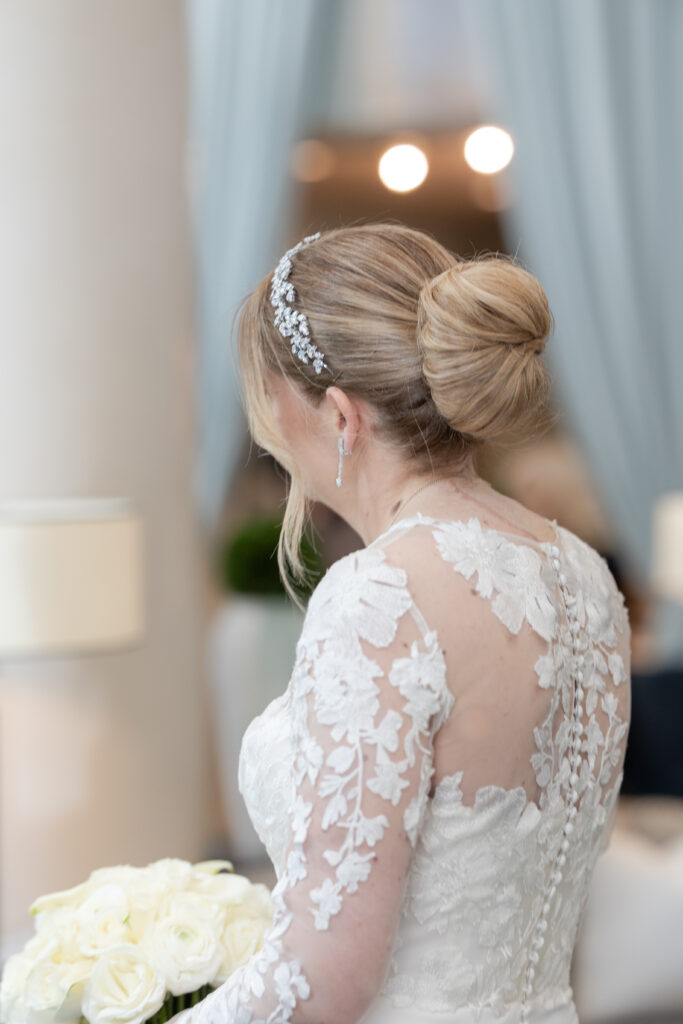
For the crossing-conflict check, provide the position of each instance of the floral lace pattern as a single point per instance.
(450, 896)
(360, 738)
(351, 710)
(507, 572)
(455, 888)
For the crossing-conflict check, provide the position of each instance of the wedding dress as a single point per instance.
(433, 840)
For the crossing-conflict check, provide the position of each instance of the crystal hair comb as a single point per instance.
(289, 321)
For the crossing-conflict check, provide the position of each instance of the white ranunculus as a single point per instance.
(184, 942)
(123, 988)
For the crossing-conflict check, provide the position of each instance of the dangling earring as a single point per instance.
(342, 453)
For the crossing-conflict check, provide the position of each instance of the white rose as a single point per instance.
(16, 971)
(152, 887)
(102, 919)
(191, 906)
(241, 939)
(41, 981)
(40, 944)
(144, 888)
(184, 942)
(64, 927)
(54, 987)
(123, 988)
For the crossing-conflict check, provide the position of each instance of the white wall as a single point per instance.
(104, 758)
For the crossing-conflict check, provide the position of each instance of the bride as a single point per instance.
(436, 782)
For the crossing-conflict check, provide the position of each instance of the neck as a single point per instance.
(376, 501)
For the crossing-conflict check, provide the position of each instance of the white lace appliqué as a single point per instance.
(500, 885)
(361, 741)
(487, 915)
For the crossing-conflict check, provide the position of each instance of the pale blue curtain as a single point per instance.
(258, 72)
(592, 92)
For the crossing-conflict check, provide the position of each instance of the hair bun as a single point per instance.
(480, 325)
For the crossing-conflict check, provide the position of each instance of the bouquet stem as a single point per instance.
(174, 1004)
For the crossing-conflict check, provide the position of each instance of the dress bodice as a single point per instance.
(491, 889)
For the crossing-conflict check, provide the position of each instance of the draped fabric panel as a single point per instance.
(592, 94)
(255, 73)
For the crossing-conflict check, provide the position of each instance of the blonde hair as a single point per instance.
(444, 349)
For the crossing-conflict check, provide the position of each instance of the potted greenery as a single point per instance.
(252, 642)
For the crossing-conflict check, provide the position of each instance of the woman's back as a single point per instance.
(438, 778)
(502, 864)
(437, 781)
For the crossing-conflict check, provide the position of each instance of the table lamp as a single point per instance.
(71, 577)
(667, 569)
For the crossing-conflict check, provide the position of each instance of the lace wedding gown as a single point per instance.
(436, 782)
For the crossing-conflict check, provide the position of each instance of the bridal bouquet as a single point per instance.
(131, 945)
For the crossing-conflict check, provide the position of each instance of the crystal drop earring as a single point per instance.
(342, 453)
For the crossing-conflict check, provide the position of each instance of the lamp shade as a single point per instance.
(71, 576)
(667, 569)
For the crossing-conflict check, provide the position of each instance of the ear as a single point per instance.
(347, 415)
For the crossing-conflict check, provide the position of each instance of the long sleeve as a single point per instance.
(367, 694)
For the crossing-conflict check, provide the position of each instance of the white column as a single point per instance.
(104, 757)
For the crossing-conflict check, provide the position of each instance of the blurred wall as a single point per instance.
(103, 758)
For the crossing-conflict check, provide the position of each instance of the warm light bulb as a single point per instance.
(489, 149)
(402, 168)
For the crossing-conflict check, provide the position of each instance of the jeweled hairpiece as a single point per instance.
(289, 321)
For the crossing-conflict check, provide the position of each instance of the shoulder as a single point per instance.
(373, 587)
(380, 574)
(363, 630)
(363, 592)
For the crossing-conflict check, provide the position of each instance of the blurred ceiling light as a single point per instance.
(312, 160)
(488, 149)
(402, 168)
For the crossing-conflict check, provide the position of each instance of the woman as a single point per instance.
(440, 775)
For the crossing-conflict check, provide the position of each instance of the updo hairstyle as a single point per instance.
(446, 350)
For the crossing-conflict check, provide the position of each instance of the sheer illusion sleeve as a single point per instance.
(367, 695)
